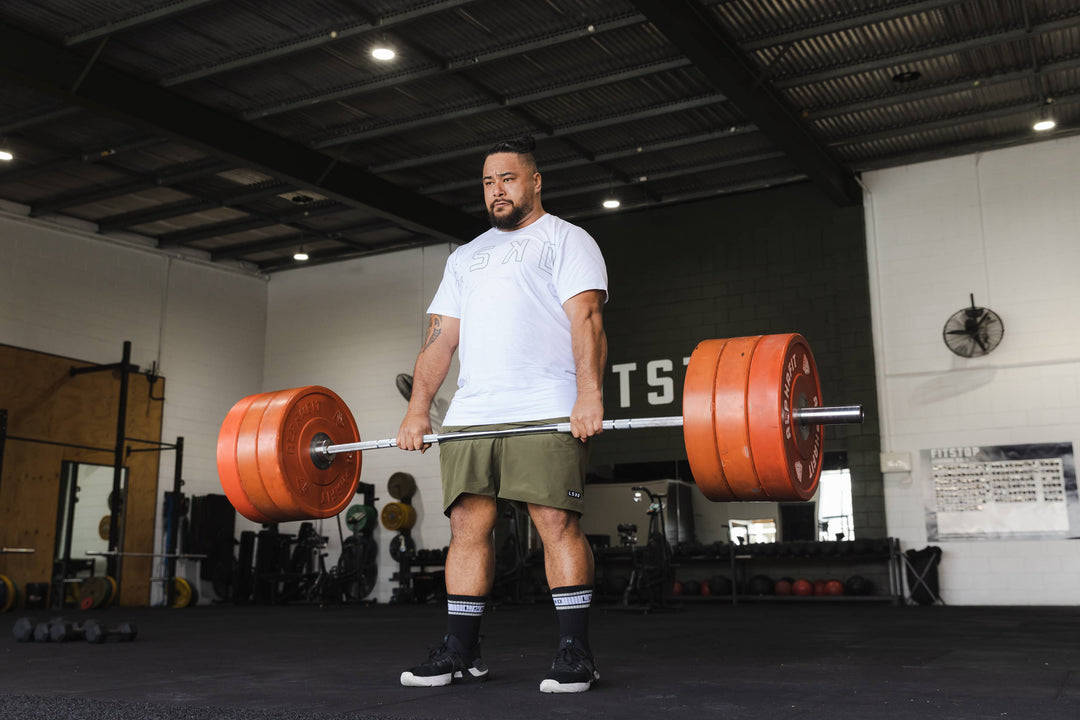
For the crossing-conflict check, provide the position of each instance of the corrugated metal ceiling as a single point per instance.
(238, 131)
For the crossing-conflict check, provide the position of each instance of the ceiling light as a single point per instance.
(300, 255)
(6, 156)
(1043, 125)
(383, 53)
(611, 203)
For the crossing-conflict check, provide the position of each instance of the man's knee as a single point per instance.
(472, 518)
(555, 524)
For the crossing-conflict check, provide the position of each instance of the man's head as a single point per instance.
(512, 184)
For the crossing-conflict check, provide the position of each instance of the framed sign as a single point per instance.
(1001, 492)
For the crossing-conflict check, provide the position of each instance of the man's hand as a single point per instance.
(413, 428)
(587, 417)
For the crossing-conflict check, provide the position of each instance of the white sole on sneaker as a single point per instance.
(410, 680)
(553, 686)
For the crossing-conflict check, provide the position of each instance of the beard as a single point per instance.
(510, 221)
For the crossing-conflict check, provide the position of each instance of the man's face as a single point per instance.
(511, 185)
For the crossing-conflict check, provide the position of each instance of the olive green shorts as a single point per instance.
(545, 469)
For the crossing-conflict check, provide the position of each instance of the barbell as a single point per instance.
(753, 424)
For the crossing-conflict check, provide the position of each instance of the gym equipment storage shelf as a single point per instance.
(876, 561)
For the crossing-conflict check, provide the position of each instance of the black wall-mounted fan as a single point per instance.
(973, 331)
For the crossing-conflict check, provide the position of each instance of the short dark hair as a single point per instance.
(524, 145)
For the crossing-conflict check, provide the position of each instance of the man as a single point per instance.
(525, 302)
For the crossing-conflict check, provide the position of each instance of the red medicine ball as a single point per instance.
(802, 587)
(783, 587)
(834, 587)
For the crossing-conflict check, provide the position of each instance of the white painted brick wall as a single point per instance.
(1004, 225)
(68, 292)
(353, 327)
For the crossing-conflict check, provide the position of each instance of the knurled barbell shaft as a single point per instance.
(840, 415)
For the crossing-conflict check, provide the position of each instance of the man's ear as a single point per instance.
(537, 181)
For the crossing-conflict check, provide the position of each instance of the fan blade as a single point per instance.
(957, 332)
(982, 345)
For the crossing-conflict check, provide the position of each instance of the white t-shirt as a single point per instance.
(507, 289)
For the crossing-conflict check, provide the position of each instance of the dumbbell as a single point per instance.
(23, 630)
(26, 630)
(41, 632)
(61, 631)
(95, 633)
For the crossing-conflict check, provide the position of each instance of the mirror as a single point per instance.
(83, 517)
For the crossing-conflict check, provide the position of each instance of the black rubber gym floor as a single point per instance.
(764, 660)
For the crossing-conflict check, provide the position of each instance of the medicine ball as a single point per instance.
(819, 587)
(802, 587)
(677, 588)
(858, 585)
(783, 586)
(834, 587)
(760, 585)
(720, 585)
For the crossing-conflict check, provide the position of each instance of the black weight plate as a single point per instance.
(401, 486)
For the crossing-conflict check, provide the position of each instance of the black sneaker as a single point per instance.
(445, 665)
(572, 671)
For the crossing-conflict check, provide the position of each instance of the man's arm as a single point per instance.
(586, 313)
(432, 364)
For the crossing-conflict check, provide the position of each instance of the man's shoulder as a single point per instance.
(561, 230)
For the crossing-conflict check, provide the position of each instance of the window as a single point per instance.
(753, 531)
(835, 516)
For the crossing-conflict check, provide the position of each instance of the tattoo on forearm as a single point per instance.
(434, 330)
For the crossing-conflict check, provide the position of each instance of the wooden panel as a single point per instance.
(44, 402)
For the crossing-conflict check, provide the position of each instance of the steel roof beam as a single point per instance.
(324, 38)
(24, 172)
(691, 195)
(892, 60)
(136, 19)
(239, 250)
(1032, 106)
(178, 173)
(253, 222)
(441, 116)
(329, 256)
(40, 118)
(635, 151)
(572, 190)
(717, 56)
(31, 61)
(467, 62)
(952, 149)
(197, 203)
(848, 22)
(649, 112)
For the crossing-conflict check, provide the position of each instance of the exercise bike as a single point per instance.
(653, 573)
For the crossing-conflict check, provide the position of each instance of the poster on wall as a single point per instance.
(1015, 492)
